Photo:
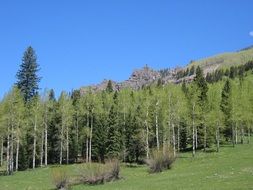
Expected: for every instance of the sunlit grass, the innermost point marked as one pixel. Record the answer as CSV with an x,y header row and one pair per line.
x,y
232,168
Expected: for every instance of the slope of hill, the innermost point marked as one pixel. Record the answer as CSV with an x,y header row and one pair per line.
x,y
224,60
146,76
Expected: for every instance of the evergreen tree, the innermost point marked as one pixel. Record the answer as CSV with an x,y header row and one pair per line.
x,y
113,135
226,108
109,87
28,80
201,84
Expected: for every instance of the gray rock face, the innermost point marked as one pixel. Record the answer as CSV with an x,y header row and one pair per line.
x,y
138,79
145,77
141,78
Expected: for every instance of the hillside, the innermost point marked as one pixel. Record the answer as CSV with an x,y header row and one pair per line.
x,y
146,76
224,60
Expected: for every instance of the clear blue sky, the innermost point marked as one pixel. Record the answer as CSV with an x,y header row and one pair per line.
x,y
82,42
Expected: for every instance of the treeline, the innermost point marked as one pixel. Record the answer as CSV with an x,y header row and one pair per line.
x,y
37,130
218,74
232,72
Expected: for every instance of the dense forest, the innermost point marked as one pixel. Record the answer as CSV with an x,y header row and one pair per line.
x,y
40,129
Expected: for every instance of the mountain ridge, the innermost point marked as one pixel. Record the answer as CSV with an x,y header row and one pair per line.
x,y
146,75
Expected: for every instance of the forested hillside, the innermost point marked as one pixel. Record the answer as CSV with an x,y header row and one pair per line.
x,y
37,130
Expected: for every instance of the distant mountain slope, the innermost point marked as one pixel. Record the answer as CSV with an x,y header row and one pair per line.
x,y
224,60
146,76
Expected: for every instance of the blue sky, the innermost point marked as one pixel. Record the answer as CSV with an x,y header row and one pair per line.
x,y
82,42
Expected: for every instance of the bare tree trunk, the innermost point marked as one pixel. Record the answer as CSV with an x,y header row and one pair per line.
x,y
178,138
205,136
218,137
248,134
124,131
156,127
87,139
193,131
42,148
46,144
91,130
34,142
233,135
67,144
147,136
236,133
196,137
61,148
17,153
242,135
2,151
174,139
8,153
12,150
87,149
77,137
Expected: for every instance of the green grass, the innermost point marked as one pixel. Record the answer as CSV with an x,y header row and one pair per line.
x,y
230,169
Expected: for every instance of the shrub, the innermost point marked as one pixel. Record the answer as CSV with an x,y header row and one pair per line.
x,y
60,178
160,161
100,173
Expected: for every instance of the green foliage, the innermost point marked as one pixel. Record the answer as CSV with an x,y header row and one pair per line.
x,y
27,75
226,107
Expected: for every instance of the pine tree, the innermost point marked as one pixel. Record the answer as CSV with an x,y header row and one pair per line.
x,y
28,80
226,108
113,135
109,87
201,84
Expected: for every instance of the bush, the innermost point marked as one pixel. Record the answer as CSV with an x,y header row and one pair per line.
x,y
160,161
100,173
60,178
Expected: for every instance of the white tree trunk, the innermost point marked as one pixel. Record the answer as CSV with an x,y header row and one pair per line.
x,y
77,137
42,148
67,144
61,148
248,134
46,144
8,154
178,138
196,137
193,131
205,136
236,134
91,130
173,139
87,149
156,128
34,142
242,135
12,150
2,151
87,140
17,153
218,137
147,136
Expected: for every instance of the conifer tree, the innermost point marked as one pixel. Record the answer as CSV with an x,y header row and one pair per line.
x,y
201,84
113,135
226,108
27,78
